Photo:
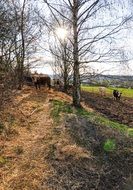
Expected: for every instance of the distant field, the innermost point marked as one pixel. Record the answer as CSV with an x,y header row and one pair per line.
x,y
95,89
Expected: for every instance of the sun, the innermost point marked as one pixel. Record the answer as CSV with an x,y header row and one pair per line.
x,y
61,33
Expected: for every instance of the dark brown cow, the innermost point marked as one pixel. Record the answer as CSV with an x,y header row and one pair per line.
x,y
45,80
38,80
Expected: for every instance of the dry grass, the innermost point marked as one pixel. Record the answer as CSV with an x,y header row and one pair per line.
x,y
24,152
28,140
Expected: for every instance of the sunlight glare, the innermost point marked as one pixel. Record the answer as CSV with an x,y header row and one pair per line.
x,y
61,33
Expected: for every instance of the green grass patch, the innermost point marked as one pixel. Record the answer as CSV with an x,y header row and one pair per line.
x,y
95,89
100,120
130,132
60,107
109,145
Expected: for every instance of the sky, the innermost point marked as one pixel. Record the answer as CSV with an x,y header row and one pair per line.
x,y
126,43
104,68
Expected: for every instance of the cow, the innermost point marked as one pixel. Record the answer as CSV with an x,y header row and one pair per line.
x,y
102,91
36,81
58,85
45,80
28,80
117,94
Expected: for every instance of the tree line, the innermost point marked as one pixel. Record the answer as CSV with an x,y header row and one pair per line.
x,y
18,33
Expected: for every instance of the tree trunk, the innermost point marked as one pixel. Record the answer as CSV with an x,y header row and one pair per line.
x,y
76,76
21,65
65,80
76,86
20,76
65,77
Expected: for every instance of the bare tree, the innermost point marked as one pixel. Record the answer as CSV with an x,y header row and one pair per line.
x,y
62,61
95,26
58,46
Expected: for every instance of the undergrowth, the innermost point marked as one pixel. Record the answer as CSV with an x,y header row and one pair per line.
x,y
110,151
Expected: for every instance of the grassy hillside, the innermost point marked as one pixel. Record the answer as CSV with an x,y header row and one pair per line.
x,y
95,152
94,117
95,89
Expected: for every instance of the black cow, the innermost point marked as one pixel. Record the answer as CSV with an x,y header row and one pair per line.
x,y
117,94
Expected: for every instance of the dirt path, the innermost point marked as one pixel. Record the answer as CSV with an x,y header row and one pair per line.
x,y
25,152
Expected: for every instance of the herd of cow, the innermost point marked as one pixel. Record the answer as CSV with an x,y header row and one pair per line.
x,y
45,80
40,80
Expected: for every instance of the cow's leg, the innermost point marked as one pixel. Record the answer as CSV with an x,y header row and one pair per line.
x,y
39,86
35,85
49,85
117,98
